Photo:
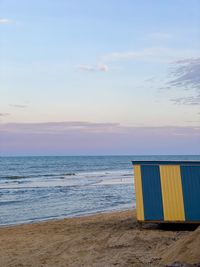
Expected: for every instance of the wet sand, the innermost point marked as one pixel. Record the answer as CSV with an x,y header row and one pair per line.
x,y
109,239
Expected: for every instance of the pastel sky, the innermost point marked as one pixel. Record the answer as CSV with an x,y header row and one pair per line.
x,y
99,77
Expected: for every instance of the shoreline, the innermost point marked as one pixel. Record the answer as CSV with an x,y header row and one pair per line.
x,y
65,217
106,239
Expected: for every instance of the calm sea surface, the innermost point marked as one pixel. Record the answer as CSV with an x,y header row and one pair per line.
x,y
43,188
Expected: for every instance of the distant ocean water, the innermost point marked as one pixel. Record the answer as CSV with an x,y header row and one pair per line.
x,y
44,188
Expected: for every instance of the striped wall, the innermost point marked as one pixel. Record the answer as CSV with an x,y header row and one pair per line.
x,y
167,191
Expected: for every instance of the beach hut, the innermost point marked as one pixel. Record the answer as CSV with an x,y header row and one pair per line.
x,y
167,191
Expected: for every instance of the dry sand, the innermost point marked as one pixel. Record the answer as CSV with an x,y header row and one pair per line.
x,y
113,239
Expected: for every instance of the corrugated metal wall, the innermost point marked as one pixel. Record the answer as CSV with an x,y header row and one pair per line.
x,y
172,195
167,191
191,191
153,209
138,193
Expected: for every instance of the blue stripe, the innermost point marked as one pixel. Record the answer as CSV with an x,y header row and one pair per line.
x,y
165,162
152,196
191,192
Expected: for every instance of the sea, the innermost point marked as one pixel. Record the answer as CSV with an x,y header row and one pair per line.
x,y
44,188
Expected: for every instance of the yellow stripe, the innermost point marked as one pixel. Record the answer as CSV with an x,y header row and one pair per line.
x,y
138,192
172,194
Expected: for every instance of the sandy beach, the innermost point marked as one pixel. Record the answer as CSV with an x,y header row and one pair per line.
x,y
109,239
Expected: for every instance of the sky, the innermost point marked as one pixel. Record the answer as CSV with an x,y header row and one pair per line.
x,y
99,77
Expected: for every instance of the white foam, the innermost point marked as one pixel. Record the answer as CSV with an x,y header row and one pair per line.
x,y
116,181
80,179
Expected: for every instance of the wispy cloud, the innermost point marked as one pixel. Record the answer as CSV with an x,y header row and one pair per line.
x,y
96,138
5,21
59,127
160,54
97,68
132,55
185,74
4,114
187,100
163,55
150,80
19,105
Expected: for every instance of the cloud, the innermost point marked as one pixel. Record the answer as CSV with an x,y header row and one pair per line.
x,y
97,68
58,127
187,100
158,54
150,80
5,21
185,74
151,54
4,114
193,121
75,138
130,55
19,105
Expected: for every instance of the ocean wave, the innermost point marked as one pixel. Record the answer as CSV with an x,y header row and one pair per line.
x,y
57,174
14,177
17,177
